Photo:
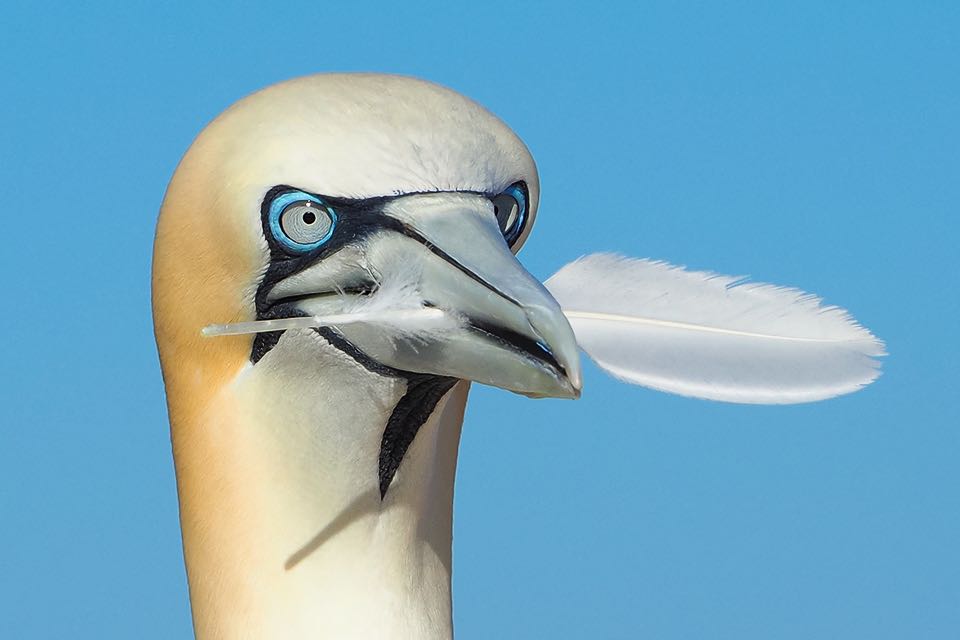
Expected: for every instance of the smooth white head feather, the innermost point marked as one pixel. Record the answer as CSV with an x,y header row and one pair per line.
x,y
710,336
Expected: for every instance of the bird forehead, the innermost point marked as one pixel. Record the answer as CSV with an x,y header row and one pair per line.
x,y
364,135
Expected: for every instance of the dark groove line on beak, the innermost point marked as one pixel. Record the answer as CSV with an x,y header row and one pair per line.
x,y
518,342
405,229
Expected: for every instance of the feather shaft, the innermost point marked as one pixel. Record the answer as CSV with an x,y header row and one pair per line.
x,y
412,320
614,317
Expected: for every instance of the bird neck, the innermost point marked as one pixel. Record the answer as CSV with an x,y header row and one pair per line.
x,y
285,532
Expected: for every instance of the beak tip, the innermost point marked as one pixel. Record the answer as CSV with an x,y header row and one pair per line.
x,y
575,389
565,387
572,377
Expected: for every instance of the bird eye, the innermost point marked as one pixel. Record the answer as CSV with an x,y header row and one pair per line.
x,y
300,221
510,208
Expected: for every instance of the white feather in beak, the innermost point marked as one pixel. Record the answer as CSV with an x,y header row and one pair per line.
x,y
711,336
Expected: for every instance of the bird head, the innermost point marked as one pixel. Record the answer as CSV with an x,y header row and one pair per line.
x,y
342,193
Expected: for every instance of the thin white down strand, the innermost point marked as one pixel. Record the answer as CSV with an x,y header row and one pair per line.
x,y
397,307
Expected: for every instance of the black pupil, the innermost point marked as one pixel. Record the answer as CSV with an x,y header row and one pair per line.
x,y
309,217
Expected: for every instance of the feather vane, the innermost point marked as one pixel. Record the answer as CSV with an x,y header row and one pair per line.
x,y
711,336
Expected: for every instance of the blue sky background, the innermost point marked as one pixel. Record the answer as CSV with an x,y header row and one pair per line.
x,y
813,146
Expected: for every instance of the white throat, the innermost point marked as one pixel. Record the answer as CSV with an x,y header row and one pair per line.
x,y
285,532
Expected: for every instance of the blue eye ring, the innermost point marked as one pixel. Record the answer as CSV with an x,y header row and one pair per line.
x,y
284,202
512,227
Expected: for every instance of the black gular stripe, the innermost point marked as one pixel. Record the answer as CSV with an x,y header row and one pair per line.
x,y
416,405
357,220
423,393
336,339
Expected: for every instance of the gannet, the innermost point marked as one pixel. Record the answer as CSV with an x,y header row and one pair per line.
x,y
371,223
315,467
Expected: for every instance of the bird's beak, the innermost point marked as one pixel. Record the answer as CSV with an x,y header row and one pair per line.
x,y
446,250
